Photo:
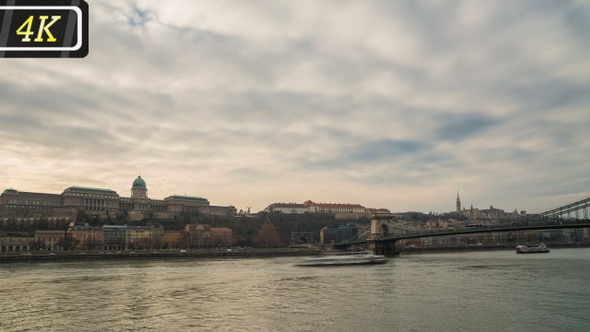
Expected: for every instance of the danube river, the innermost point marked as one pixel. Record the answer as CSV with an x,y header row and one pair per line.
x,y
463,291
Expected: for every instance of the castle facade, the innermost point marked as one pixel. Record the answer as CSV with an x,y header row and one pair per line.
x,y
103,203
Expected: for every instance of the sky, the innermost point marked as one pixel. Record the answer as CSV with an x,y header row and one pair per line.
x,y
387,104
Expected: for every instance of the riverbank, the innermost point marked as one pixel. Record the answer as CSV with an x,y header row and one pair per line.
x,y
407,250
244,252
140,254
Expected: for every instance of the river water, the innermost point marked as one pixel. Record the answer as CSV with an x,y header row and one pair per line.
x,y
464,291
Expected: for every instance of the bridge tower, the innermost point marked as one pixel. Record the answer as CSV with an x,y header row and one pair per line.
x,y
379,230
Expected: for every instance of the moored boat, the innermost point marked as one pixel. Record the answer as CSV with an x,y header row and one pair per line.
x,y
344,258
522,249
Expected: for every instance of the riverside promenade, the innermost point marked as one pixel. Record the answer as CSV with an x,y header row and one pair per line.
x,y
169,253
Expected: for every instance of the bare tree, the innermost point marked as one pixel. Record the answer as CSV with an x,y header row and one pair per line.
x,y
268,237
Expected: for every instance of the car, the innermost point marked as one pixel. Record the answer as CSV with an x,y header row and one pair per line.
x,y
25,254
52,254
182,250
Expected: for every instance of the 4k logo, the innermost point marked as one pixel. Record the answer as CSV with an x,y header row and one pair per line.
x,y
26,28
43,28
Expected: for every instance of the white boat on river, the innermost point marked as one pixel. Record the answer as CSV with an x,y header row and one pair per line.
x,y
522,249
344,258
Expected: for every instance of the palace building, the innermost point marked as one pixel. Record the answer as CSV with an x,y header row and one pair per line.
x,y
339,210
103,203
491,213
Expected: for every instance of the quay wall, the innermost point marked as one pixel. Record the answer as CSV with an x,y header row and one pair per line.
x,y
140,254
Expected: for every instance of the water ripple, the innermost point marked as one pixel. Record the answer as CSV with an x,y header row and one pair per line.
x,y
469,292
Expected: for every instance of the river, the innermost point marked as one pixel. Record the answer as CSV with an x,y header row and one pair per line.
x,y
461,291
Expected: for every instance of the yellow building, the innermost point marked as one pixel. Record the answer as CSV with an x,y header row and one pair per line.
x,y
51,240
144,237
87,237
170,240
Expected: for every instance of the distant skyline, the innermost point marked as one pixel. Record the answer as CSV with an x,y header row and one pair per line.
x,y
388,104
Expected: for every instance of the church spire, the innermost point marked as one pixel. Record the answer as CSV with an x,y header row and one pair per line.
x,y
458,202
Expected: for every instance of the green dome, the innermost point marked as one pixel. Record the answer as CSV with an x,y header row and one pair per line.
x,y
139,182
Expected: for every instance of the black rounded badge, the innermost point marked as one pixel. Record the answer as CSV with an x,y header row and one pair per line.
x,y
43,29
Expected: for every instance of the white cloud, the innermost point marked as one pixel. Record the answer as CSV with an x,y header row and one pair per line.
x,y
389,104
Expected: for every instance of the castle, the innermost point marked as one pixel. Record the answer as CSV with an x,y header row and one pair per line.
x,y
491,213
103,203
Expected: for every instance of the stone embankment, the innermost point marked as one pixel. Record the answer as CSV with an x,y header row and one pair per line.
x,y
139,254
551,245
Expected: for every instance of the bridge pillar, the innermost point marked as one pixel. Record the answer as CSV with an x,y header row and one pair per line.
x,y
379,230
379,226
383,248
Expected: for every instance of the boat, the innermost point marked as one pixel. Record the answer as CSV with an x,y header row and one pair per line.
x,y
522,249
344,258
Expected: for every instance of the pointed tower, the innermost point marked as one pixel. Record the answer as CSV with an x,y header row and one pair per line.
x,y
458,202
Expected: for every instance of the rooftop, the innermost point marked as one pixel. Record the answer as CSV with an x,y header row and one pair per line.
x,y
139,182
190,198
98,190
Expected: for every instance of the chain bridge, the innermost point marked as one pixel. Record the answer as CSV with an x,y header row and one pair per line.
x,y
383,233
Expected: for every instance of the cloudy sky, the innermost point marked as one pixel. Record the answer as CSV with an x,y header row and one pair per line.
x,y
395,104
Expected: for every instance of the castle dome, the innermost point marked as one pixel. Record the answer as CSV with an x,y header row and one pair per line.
x,y
139,182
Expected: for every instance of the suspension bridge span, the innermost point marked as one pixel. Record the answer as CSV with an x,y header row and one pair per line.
x,y
381,237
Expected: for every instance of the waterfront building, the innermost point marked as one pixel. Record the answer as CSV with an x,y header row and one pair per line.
x,y
338,233
33,223
103,203
87,237
118,237
15,244
144,237
52,240
302,238
221,236
114,237
207,236
171,239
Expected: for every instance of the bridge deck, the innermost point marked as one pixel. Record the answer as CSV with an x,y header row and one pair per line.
x,y
479,230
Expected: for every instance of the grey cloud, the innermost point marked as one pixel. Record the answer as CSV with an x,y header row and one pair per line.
x,y
384,150
313,100
459,127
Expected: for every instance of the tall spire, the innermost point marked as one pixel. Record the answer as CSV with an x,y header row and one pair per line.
x,y
458,202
